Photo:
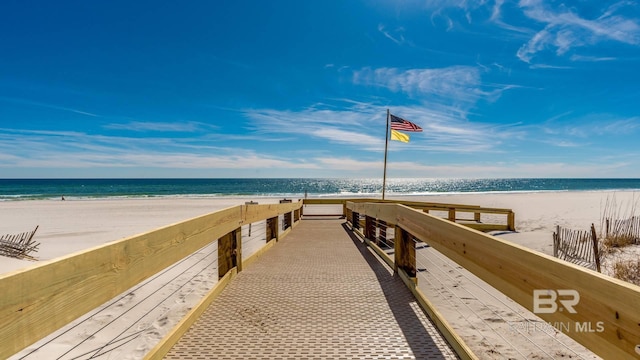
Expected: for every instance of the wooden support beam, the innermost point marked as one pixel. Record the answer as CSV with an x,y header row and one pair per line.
x,y
229,252
405,252
355,220
511,221
286,221
369,227
272,229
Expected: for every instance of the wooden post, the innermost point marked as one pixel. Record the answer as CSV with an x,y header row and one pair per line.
x,y
369,227
476,217
286,222
229,252
355,220
511,221
272,229
556,241
452,214
596,254
405,253
296,215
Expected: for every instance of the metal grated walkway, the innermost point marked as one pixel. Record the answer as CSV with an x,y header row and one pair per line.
x,y
318,294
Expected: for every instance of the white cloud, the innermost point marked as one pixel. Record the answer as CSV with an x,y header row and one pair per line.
x,y
557,27
30,102
363,127
398,38
496,12
461,85
446,82
349,126
592,58
348,164
187,126
565,29
70,150
599,124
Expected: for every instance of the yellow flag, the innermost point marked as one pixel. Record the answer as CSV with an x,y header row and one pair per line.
x,y
397,135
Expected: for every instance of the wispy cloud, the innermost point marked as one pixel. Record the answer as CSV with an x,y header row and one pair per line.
x,y
548,66
564,143
592,58
77,150
363,126
338,126
457,84
446,82
585,126
397,36
29,102
557,28
142,126
565,29
439,8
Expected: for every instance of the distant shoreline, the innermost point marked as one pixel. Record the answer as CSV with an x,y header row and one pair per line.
x,y
87,189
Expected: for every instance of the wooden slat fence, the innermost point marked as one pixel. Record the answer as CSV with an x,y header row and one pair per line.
x,y
624,228
577,246
19,246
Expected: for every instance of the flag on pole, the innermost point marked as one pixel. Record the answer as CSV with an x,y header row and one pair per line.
x,y
397,135
404,125
394,124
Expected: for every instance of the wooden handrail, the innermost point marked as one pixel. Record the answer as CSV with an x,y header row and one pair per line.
x,y
54,293
600,312
451,209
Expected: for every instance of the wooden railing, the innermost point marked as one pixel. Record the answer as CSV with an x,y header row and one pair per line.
x,y
452,212
597,311
37,301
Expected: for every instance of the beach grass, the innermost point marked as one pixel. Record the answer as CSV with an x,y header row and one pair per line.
x,y
627,270
619,239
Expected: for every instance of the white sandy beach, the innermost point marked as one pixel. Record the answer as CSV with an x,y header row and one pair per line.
x,y
69,226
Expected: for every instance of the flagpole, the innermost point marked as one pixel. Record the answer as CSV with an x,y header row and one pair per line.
x,y
386,146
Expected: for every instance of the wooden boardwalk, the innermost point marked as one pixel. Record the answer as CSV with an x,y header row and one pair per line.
x,y
320,293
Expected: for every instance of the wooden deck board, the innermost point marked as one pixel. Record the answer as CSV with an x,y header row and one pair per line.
x,y
319,293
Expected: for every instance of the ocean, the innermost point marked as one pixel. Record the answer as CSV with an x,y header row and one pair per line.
x,y
29,189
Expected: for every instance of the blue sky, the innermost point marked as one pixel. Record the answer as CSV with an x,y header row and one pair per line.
x,y
532,88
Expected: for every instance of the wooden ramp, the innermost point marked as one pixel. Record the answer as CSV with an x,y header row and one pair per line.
x,y
318,294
